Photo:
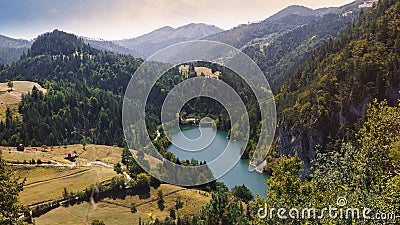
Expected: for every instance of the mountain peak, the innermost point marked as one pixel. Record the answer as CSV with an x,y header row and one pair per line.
x,y
154,41
57,42
297,10
165,28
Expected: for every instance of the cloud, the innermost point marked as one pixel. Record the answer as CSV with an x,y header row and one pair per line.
x,y
116,19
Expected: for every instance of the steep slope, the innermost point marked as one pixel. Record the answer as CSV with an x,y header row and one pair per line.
x,y
11,49
279,43
251,33
279,57
326,97
150,43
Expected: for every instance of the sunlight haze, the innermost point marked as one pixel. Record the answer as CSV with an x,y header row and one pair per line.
x,y
119,19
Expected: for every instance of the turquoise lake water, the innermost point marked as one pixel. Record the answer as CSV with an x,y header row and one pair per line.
x,y
238,175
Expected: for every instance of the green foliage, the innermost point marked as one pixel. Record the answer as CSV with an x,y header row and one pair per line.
x,y
143,182
85,88
58,43
160,201
365,176
118,168
172,213
10,187
10,84
327,95
284,184
245,34
118,182
377,136
222,209
178,203
243,193
280,57
133,208
97,222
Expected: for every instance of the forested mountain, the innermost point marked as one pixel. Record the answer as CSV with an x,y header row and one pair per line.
x,y
324,101
84,98
85,87
266,30
150,43
11,49
279,43
279,58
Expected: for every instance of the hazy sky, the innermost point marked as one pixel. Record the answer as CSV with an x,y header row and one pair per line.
x,y
118,19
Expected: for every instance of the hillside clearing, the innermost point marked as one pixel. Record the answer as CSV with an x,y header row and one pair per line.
x,y
10,99
53,189
113,211
107,154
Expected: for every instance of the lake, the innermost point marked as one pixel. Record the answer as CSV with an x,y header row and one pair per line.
x,y
238,175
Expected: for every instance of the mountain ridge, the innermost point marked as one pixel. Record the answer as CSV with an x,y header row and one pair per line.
x,y
11,49
300,10
324,101
147,44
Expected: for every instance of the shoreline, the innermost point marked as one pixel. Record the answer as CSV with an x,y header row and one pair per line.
x,y
259,168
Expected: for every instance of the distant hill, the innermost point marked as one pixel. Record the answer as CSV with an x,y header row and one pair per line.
x,y
279,43
243,36
11,49
264,31
299,10
152,42
281,55
108,46
286,20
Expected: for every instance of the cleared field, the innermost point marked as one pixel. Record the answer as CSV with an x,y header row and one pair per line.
x,y
107,154
52,189
11,99
111,212
47,182
22,86
19,157
39,174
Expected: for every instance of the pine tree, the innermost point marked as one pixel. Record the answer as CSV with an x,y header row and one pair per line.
x,y
10,209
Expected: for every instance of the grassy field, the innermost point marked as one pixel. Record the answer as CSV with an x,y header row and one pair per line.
x,y
111,212
107,154
52,189
48,182
11,99
39,174
73,215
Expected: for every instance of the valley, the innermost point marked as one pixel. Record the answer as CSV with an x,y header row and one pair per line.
x,y
65,157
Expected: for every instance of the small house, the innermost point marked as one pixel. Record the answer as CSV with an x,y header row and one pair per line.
x,y
70,156
20,148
